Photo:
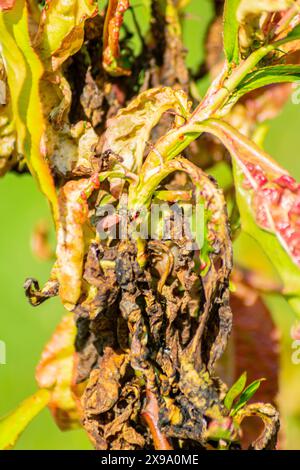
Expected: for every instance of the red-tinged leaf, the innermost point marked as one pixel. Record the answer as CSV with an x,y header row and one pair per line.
x,y
111,49
256,347
7,4
269,203
55,373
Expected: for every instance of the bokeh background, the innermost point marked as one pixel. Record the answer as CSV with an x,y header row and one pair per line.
x,y
26,329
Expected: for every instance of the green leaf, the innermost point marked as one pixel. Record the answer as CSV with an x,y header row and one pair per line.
x,y
294,35
235,390
268,76
268,201
231,30
14,424
246,396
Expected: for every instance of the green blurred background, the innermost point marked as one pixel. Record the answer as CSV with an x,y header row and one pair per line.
x,y
25,329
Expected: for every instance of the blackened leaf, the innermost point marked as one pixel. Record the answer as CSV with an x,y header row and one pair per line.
x,y
37,296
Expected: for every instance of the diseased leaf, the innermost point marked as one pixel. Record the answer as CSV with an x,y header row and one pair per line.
x,y
6,4
166,27
231,29
235,391
111,50
70,237
128,132
7,129
35,295
61,28
251,14
55,371
73,149
15,423
24,71
268,199
246,396
270,417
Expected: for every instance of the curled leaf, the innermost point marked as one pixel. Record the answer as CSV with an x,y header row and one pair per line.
x,y
61,29
167,44
55,371
253,19
268,199
15,423
111,410
129,131
70,237
111,50
37,296
270,417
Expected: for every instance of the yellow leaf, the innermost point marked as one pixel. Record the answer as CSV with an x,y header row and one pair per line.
x,y
14,424
24,72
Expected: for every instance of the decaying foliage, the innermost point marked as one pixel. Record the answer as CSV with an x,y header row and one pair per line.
x,y
97,124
